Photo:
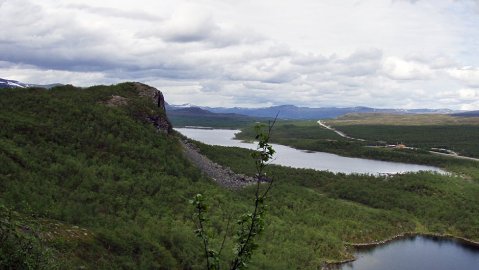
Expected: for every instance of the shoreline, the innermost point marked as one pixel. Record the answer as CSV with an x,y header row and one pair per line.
x,y
462,240
331,265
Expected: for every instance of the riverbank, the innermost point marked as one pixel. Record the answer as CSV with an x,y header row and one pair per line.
x,y
412,234
411,187
316,160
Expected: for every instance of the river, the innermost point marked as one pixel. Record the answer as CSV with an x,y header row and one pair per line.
x,y
291,157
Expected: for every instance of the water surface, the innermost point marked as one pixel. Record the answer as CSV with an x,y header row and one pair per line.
x,y
288,156
417,253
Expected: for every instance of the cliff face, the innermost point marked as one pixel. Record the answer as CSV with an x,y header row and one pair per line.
x,y
157,117
160,121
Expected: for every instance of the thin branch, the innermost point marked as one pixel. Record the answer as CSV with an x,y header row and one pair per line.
x,y
260,165
205,240
267,189
224,238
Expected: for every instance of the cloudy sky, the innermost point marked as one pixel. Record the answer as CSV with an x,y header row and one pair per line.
x,y
253,53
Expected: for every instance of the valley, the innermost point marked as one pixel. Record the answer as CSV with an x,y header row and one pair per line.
x,y
239,135
118,184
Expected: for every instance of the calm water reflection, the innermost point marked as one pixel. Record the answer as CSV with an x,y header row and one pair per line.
x,y
417,253
288,156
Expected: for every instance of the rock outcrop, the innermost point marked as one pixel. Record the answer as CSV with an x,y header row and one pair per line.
x,y
160,121
116,101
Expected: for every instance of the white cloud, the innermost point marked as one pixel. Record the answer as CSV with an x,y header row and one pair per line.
x,y
400,69
252,53
467,75
49,76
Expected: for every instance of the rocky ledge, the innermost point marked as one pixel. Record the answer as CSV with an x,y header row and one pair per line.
x,y
159,120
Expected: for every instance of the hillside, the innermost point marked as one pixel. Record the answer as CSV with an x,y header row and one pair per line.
x,y
96,179
92,158
196,116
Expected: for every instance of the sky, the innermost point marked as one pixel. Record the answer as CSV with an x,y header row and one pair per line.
x,y
378,53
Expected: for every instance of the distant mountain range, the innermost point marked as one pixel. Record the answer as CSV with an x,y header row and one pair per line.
x,y
4,83
467,114
12,84
294,112
285,111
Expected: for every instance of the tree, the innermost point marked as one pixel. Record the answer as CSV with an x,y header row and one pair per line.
x,y
251,224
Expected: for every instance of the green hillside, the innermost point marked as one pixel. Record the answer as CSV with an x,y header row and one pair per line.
x,y
67,157
88,183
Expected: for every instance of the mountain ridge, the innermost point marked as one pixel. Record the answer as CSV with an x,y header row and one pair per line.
x,y
5,83
289,111
286,111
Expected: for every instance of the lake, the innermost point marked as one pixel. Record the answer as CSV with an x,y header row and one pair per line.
x,y
287,156
417,253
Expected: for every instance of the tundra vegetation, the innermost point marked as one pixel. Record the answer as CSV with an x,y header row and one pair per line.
x,y
447,132
83,184
251,224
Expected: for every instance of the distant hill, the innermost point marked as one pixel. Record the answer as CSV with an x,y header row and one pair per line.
x,y
295,112
4,83
12,84
190,111
467,114
182,116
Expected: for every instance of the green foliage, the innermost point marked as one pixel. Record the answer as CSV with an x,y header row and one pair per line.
x,y
20,246
250,225
294,130
460,138
422,202
214,121
308,135
67,158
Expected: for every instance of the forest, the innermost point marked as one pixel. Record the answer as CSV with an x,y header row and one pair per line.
x,y
85,185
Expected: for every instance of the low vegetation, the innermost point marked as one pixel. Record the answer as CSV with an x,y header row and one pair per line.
x,y
458,138
349,207
198,117
401,119
92,186
308,135
455,133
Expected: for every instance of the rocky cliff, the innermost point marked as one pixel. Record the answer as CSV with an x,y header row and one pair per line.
x,y
160,121
157,117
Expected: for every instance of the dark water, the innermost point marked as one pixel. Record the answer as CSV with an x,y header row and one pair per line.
x,y
417,253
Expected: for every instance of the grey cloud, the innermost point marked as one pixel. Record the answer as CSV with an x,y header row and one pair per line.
x,y
205,58
52,41
202,30
360,63
199,31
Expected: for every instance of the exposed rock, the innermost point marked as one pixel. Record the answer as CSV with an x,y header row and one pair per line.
x,y
160,121
221,175
116,101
